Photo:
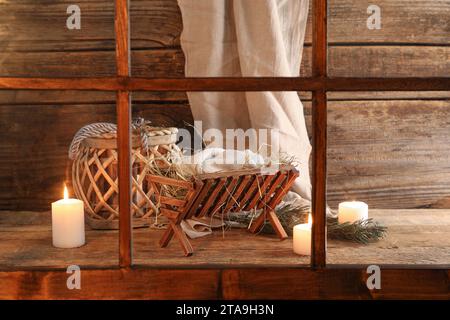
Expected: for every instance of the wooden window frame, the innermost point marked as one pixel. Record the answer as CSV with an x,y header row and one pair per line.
x,y
316,281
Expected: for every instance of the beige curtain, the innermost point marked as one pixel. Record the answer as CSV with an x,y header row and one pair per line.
x,y
254,38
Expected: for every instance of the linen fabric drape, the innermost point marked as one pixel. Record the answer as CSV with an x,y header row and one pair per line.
x,y
249,38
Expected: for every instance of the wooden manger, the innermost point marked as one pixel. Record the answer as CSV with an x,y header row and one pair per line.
x,y
217,194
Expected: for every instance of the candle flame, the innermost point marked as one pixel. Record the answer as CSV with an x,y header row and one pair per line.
x,y
66,192
310,220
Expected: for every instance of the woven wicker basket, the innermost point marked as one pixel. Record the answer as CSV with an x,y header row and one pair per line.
x,y
95,177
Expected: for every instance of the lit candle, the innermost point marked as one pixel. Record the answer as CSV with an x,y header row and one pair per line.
x,y
302,238
352,211
68,222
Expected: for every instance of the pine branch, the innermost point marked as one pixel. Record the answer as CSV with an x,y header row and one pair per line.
x,y
364,231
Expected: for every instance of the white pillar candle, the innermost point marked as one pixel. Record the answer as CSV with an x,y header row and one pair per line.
x,y
68,222
302,238
352,211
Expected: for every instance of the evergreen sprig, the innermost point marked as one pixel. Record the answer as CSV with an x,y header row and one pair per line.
x,y
363,231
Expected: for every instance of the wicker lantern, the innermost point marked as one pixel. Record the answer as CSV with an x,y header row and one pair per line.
x,y
95,175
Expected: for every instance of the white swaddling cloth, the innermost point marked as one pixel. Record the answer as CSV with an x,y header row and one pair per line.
x,y
211,160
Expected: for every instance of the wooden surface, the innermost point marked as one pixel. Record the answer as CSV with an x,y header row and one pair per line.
x,y
420,237
413,41
157,23
255,283
112,284
393,154
345,61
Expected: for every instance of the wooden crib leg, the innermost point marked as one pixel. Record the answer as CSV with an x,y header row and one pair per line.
x,y
276,225
271,216
258,223
175,230
184,241
167,236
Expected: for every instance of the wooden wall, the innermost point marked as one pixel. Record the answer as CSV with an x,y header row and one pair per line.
x,y
389,149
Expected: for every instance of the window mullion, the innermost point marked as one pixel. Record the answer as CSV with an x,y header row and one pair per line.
x,y
319,118
122,30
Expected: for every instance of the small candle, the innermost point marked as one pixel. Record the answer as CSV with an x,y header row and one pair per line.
x,y
68,222
302,238
352,211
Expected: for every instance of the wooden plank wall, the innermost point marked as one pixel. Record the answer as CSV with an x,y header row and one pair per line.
x,y
389,149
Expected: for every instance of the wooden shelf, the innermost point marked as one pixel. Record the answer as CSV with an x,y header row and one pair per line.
x,y
415,237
